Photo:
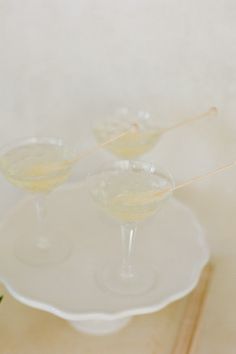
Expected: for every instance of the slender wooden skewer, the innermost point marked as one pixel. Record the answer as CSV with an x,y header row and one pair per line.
x,y
205,175
209,174
135,128
211,112
187,333
147,197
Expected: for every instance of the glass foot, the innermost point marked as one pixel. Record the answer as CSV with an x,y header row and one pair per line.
x,y
42,251
142,280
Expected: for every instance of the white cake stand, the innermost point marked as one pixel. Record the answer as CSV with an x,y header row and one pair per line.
x,y
173,241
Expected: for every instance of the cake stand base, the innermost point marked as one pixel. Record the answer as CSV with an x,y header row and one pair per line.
x,y
100,327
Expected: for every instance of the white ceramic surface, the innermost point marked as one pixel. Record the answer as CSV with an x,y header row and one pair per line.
x,y
172,241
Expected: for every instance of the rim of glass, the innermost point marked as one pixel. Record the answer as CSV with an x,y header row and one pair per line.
x,y
112,115
30,140
150,167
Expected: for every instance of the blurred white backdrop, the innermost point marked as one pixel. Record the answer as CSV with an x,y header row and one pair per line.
x,y
60,60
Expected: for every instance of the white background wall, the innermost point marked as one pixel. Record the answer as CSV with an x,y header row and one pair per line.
x,y
59,58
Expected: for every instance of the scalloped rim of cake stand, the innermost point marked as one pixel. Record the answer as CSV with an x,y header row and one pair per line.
x,y
100,315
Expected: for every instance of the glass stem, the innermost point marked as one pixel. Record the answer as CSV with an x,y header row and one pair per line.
x,y
128,233
42,241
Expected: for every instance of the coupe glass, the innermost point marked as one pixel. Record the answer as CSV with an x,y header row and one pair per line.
x,y
38,165
130,146
130,191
